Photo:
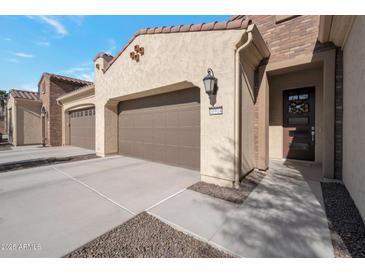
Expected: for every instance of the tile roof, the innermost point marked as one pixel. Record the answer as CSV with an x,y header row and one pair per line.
x,y
65,78
24,94
235,22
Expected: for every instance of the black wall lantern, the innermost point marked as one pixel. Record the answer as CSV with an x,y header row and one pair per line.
x,y
210,83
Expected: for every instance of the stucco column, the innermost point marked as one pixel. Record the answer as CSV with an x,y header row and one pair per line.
x,y
66,128
262,120
329,114
105,113
111,128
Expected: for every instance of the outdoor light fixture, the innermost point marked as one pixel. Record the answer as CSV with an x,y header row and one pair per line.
x,y
210,83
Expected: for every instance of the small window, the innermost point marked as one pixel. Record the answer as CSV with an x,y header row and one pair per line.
x,y
90,112
81,113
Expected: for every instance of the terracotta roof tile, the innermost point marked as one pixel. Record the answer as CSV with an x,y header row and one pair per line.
x,y
236,17
66,78
175,29
24,94
220,25
166,29
158,30
235,22
196,27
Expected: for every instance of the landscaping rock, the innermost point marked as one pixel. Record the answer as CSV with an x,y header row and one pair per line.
x,y
146,236
230,194
345,222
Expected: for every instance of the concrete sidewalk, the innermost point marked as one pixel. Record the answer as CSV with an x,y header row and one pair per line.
x,y
31,153
282,217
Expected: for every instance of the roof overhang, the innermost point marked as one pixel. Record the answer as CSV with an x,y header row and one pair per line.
x,y
335,28
256,50
77,94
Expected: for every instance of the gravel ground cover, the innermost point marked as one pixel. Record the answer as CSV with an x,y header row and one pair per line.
x,y
146,236
43,162
234,195
345,223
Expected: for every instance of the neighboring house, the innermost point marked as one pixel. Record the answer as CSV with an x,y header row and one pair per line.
x,y
3,98
348,34
52,86
78,117
24,117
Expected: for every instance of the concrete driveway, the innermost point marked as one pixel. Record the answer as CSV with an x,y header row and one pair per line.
x,y
35,152
52,210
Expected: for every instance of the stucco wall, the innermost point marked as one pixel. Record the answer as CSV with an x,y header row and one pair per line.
x,y
25,121
172,59
28,123
247,119
292,80
354,113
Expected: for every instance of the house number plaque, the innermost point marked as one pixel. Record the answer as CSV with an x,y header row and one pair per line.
x,y
216,110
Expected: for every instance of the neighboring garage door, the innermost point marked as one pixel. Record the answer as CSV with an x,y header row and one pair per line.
x,y
82,128
163,128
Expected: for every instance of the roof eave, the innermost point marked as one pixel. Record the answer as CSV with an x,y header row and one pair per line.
x,y
87,90
241,23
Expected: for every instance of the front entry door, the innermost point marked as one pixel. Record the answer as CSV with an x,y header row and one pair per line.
x,y
299,124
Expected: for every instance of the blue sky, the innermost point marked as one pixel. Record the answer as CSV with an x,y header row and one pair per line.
x,y
31,45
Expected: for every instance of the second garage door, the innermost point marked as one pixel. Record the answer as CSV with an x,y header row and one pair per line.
x,y
82,128
163,128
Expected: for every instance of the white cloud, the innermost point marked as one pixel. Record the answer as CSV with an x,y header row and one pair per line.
x,y
112,45
86,76
7,39
77,19
12,60
82,71
29,87
44,44
23,55
52,22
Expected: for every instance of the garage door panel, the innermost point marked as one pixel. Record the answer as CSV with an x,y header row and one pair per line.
x,y
163,128
82,128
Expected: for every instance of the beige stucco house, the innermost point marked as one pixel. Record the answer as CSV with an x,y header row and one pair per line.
x,y
150,100
23,117
286,87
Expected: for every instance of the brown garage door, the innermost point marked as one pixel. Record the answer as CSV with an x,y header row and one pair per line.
x,y
163,128
82,128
